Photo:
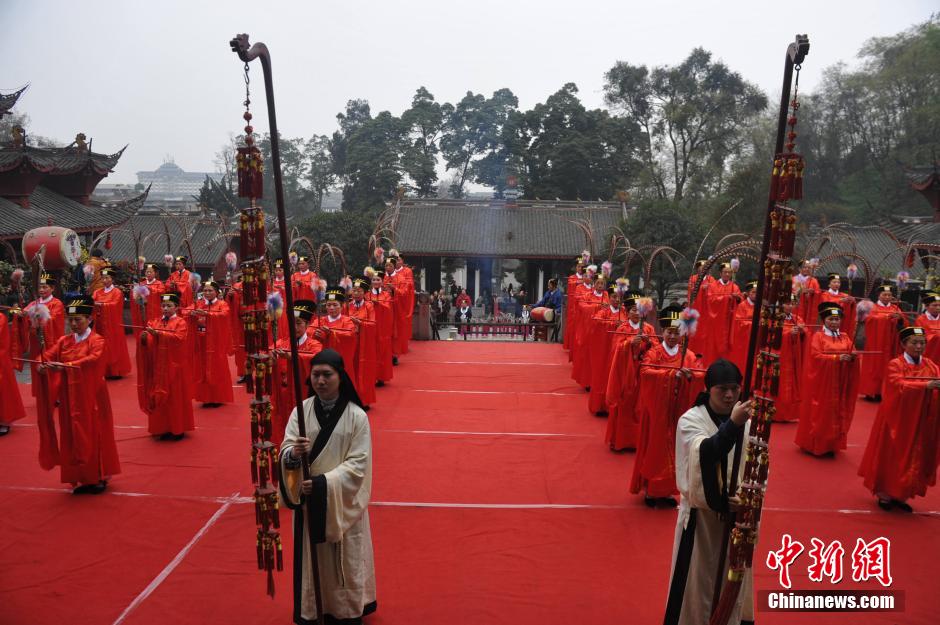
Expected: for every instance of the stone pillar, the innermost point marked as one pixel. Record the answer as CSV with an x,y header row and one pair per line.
x,y
541,290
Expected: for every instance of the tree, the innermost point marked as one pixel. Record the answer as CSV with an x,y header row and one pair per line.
x,y
218,196
424,122
691,115
321,176
373,169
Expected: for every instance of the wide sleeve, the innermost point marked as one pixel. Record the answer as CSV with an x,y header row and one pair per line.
x,y
700,448
349,485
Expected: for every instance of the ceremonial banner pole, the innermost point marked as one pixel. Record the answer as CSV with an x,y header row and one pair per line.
x,y
252,158
773,288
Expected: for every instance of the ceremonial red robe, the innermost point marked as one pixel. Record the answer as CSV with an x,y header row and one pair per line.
x,y
282,396
715,322
574,282
791,369
109,324
304,285
151,305
932,326
827,411
384,324
904,445
660,407
408,279
178,282
163,381
623,386
343,337
85,448
741,333
366,364
697,342
848,311
11,407
881,335
402,311
234,300
282,330
580,292
52,331
588,304
213,383
807,292
601,340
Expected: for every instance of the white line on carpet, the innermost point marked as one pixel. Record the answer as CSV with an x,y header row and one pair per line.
x,y
490,362
576,393
146,592
456,433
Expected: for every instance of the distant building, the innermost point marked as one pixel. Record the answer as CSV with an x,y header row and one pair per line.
x,y
171,182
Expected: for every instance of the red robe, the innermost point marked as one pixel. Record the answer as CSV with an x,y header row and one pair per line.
x,y
881,334
588,304
343,337
741,333
848,310
234,300
11,408
623,386
109,323
384,324
791,368
574,281
163,381
904,445
85,449
213,383
659,407
807,293
178,282
403,283
151,306
282,395
697,342
366,364
827,411
304,285
932,326
283,331
52,331
601,340
716,321
574,321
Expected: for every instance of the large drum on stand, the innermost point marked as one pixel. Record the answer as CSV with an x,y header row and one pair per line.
x,y
61,247
543,314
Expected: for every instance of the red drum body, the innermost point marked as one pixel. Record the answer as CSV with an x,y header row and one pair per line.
x,y
543,314
62,247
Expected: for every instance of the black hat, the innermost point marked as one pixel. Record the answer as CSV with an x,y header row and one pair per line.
x,y
108,271
212,283
335,294
830,309
908,332
47,279
378,273
181,259
929,298
884,288
833,276
722,372
630,298
305,309
83,305
303,259
670,317
278,262
170,297
362,283
750,285
151,266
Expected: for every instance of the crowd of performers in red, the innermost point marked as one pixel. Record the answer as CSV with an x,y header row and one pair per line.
x,y
185,331
643,378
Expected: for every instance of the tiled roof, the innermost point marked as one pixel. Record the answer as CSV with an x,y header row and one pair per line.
x,y
48,207
8,100
207,244
533,229
57,161
922,177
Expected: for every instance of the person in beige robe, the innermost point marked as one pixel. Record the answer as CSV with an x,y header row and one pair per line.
x,y
705,439
334,511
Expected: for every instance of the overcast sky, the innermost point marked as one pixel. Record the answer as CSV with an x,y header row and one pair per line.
x,y
159,74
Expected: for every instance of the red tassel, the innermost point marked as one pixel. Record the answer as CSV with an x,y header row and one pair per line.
x,y
254,465
250,174
280,554
107,242
260,551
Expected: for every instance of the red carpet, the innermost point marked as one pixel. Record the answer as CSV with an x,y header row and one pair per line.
x,y
495,501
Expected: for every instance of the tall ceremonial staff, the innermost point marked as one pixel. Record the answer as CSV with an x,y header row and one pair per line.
x,y
773,288
251,168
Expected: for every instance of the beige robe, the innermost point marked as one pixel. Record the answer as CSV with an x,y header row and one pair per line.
x,y
694,427
347,572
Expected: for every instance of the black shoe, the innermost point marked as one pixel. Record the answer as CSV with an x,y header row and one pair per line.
x,y
668,502
649,501
166,436
113,377
176,437
4,430
394,361
886,504
97,489
212,404
600,413
587,388
242,379
379,383
903,506
85,489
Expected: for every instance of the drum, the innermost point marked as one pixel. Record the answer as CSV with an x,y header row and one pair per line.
x,y
543,314
62,247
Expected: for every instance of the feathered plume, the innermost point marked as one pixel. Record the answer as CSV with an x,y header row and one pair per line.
x,y
606,268
623,286
141,262
38,315
379,255
141,293
195,281
688,322
368,272
813,264
275,304
292,258
585,257
863,309
231,261
346,283
591,270
644,305
902,279
393,252
89,270
16,277
735,264
168,260
321,289
851,272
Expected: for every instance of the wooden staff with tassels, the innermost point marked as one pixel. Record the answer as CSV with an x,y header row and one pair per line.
x,y
774,284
